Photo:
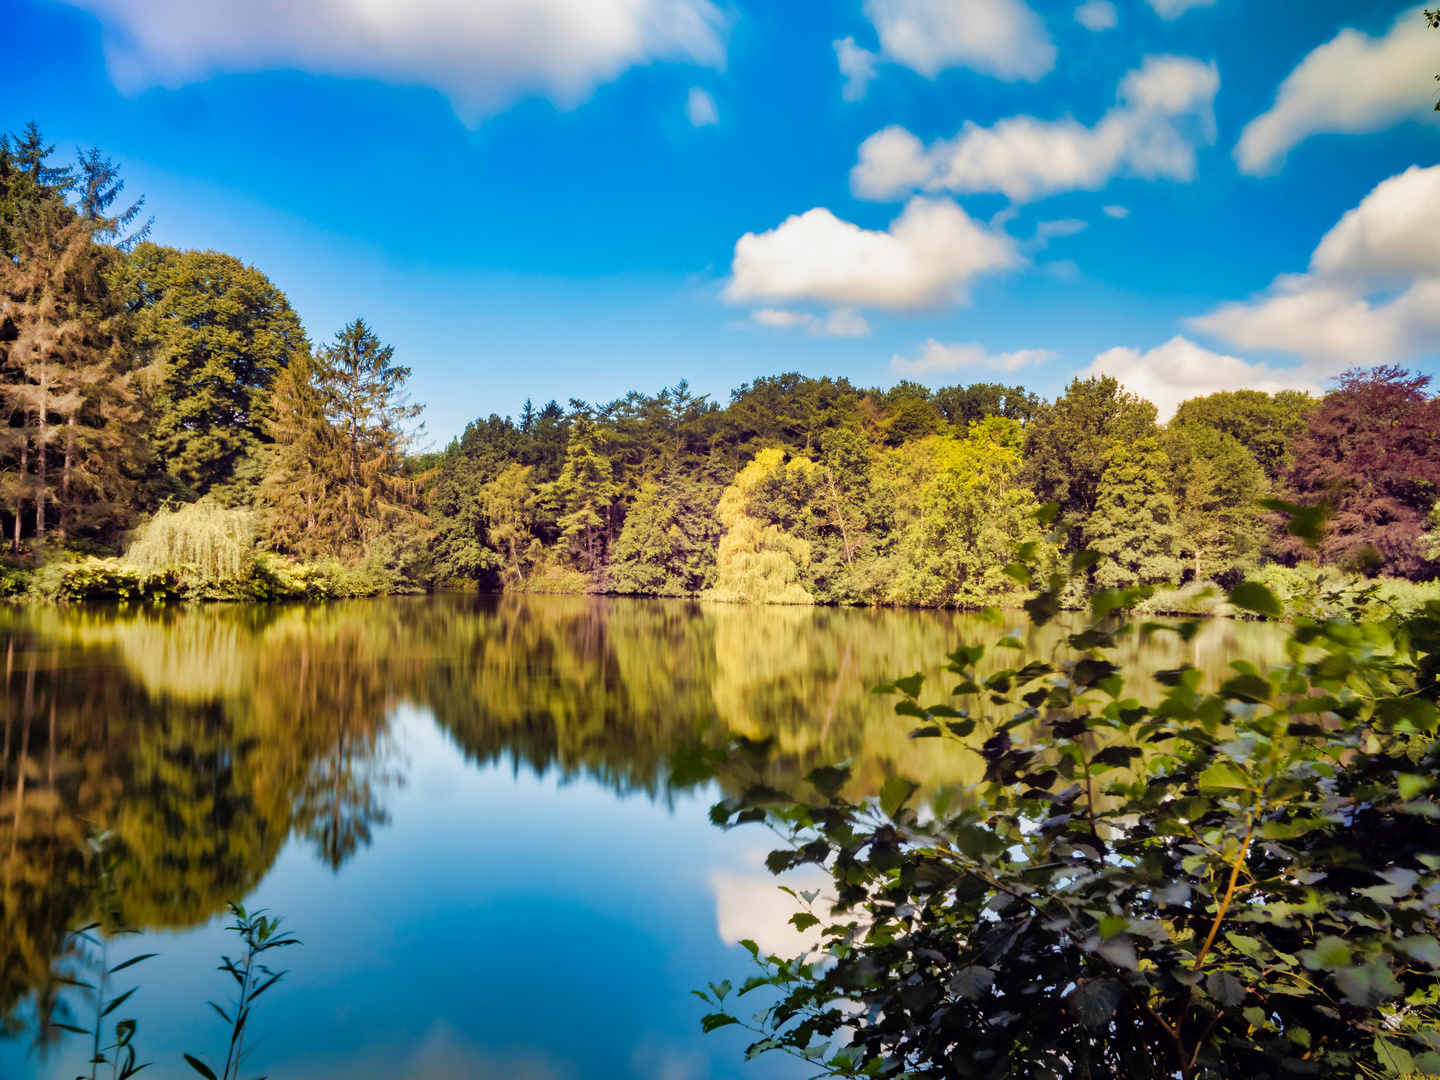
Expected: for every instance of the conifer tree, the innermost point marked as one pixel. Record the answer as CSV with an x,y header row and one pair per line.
x,y
74,423
1134,526
1217,482
667,545
583,495
303,474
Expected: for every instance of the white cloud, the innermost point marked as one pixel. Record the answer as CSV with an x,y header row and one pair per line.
x,y
842,322
1003,38
940,356
481,56
1096,15
927,257
1173,9
1372,292
1045,231
857,65
1181,369
700,108
1116,211
1164,112
750,906
1351,85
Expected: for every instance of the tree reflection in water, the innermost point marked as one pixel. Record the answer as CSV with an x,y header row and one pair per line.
x,y
205,737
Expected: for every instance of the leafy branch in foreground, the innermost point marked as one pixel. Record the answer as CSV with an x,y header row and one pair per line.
x,y
1237,881
94,952
259,933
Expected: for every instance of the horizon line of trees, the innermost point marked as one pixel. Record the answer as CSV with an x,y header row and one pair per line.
x,y
136,376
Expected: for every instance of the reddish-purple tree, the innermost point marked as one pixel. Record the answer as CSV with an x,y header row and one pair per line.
x,y
1371,449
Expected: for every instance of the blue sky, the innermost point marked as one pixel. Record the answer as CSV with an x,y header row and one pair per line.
x,y
575,198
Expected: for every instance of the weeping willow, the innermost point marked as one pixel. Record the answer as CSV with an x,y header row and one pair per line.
x,y
203,542
758,563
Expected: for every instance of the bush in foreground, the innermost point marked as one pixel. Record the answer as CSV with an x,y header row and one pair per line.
x,y
1237,882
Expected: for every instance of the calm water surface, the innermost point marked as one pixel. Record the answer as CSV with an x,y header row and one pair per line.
x,y
457,802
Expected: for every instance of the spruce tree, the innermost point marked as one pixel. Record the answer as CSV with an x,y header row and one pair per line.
x,y
367,404
303,474
74,425
1134,526
582,496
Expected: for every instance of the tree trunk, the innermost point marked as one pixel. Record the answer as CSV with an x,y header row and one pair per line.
x,y
40,471
65,477
20,496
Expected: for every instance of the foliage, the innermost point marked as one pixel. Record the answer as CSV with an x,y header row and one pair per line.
x,y
1265,424
1069,444
1216,482
202,543
1134,528
259,933
760,562
582,496
1231,882
667,546
1369,451
217,333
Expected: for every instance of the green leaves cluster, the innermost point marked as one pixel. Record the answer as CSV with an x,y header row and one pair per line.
x,y
1238,880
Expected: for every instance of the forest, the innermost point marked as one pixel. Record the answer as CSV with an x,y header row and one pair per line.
x,y
172,430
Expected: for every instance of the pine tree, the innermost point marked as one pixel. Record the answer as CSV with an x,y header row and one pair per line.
x,y
303,473
1134,526
77,437
584,493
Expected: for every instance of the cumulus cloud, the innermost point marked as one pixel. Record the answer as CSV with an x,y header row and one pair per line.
x,y
700,108
1181,369
1164,111
858,66
1173,9
842,322
1116,211
1096,15
936,356
1003,38
481,56
1351,85
1372,292
927,257
750,906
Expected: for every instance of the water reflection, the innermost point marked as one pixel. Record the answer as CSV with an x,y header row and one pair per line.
x,y
205,738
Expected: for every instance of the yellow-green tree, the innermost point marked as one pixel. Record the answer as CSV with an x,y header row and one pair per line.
x,y
759,563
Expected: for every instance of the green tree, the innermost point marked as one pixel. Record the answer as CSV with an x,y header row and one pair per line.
x,y
758,562
1217,484
668,543
1134,527
1265,424
583,495
1068,446
367,405
219,333
964,405
974,512
304,471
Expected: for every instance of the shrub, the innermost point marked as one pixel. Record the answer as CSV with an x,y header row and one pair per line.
x,y
203,543
1240,883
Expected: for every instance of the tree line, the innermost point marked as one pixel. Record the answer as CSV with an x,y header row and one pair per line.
x,y
138,377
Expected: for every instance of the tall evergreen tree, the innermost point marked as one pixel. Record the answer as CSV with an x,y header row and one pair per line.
x,y
1134,526
74,424
583,495
298,490
219,332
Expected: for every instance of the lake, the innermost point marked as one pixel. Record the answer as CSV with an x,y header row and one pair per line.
x,y
457,802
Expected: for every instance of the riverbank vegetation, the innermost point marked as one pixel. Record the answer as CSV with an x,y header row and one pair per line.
x,y
172,431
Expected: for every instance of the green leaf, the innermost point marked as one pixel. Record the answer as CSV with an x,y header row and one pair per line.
x,y
803,920
1394,1058
1225,988
828,779
911,684
132,960
708,1023
1252,596
209,1074
1225,776
895,793
972,983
